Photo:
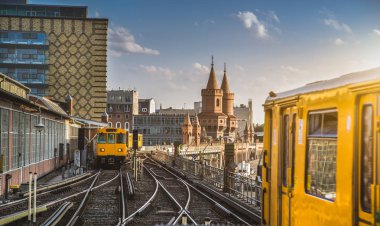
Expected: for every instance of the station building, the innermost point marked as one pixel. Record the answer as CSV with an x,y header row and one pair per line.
x,y
56,51
25,147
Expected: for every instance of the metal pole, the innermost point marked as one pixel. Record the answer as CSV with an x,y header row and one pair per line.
x,y
30,197
35,200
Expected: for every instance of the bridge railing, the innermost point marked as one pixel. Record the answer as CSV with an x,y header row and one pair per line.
x,y
244,188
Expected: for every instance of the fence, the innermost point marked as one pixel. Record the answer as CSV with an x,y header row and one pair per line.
x,y
244,188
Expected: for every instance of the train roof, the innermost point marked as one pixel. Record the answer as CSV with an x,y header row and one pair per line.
x,y
352,78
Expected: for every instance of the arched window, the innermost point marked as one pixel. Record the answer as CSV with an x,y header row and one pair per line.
x,y
217,102
126,126
110,124
118,124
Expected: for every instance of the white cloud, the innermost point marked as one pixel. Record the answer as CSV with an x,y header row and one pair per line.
x,y
200,67
251,22
97,14
291,69
377,32
151,69
333,23
272,15
121,41
339,41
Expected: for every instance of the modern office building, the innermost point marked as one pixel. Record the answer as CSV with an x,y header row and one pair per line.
x,y
56,51
121,106
160,129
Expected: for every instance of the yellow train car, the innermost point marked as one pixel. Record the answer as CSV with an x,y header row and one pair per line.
x,y
111,146
322,153
130,141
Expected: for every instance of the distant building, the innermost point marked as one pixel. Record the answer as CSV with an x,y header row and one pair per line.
x,y
243,114
198,106
121,106
56,51
147,106
160,129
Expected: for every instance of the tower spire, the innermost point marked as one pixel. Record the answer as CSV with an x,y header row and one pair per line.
x,y
212,83
225,86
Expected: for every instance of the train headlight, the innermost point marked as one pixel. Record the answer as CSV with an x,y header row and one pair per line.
x,y
102,150
119,150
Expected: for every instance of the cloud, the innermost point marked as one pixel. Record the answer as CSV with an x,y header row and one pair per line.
x,y
338,42
333,23
201,68
291,69
272,15
151,69
251,22
97,14
121,41
376,32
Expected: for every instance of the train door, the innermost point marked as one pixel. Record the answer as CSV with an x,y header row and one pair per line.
x,y
368,189
286,164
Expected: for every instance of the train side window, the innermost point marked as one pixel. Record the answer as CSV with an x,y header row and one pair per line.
x,y
321,154
120,138
285,145
366,171
111,138
102,138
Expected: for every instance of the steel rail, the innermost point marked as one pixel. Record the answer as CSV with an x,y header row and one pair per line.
x,y
210,199
45,192
122,207
147,203
74,218
58,214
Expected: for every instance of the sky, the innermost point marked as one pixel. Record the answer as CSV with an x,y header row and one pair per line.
x,y
163,48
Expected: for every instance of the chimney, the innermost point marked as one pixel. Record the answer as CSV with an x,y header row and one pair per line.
x,y
69,105
105,116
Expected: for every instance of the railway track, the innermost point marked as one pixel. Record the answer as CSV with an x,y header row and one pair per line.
x,y
102,206
174,199
50,198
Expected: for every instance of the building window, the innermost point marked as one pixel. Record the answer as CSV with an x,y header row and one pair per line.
x,y
217,102
126,126
118,116
110,124
126,108
126,116
110,115
119,98
321,154
118,125
366,168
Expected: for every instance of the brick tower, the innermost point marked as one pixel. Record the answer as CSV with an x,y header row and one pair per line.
x,y
228,106
187,131
212,116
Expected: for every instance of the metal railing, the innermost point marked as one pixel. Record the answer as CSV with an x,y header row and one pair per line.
x,y
247,189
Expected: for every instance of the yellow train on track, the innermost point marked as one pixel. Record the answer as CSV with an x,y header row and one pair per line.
x,y
322,153
113,146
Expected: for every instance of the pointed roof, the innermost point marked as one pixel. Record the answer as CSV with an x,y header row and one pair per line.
x,y
187,120
212,83
196,121
225,86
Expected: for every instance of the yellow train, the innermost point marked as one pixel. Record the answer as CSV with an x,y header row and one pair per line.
x,y
322,153
113,145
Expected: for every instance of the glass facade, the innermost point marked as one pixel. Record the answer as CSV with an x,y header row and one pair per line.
x,y
43,11
23,145
23,57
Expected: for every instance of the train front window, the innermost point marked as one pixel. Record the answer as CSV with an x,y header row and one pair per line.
x,y
121,138
321,154
111,138
102,138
